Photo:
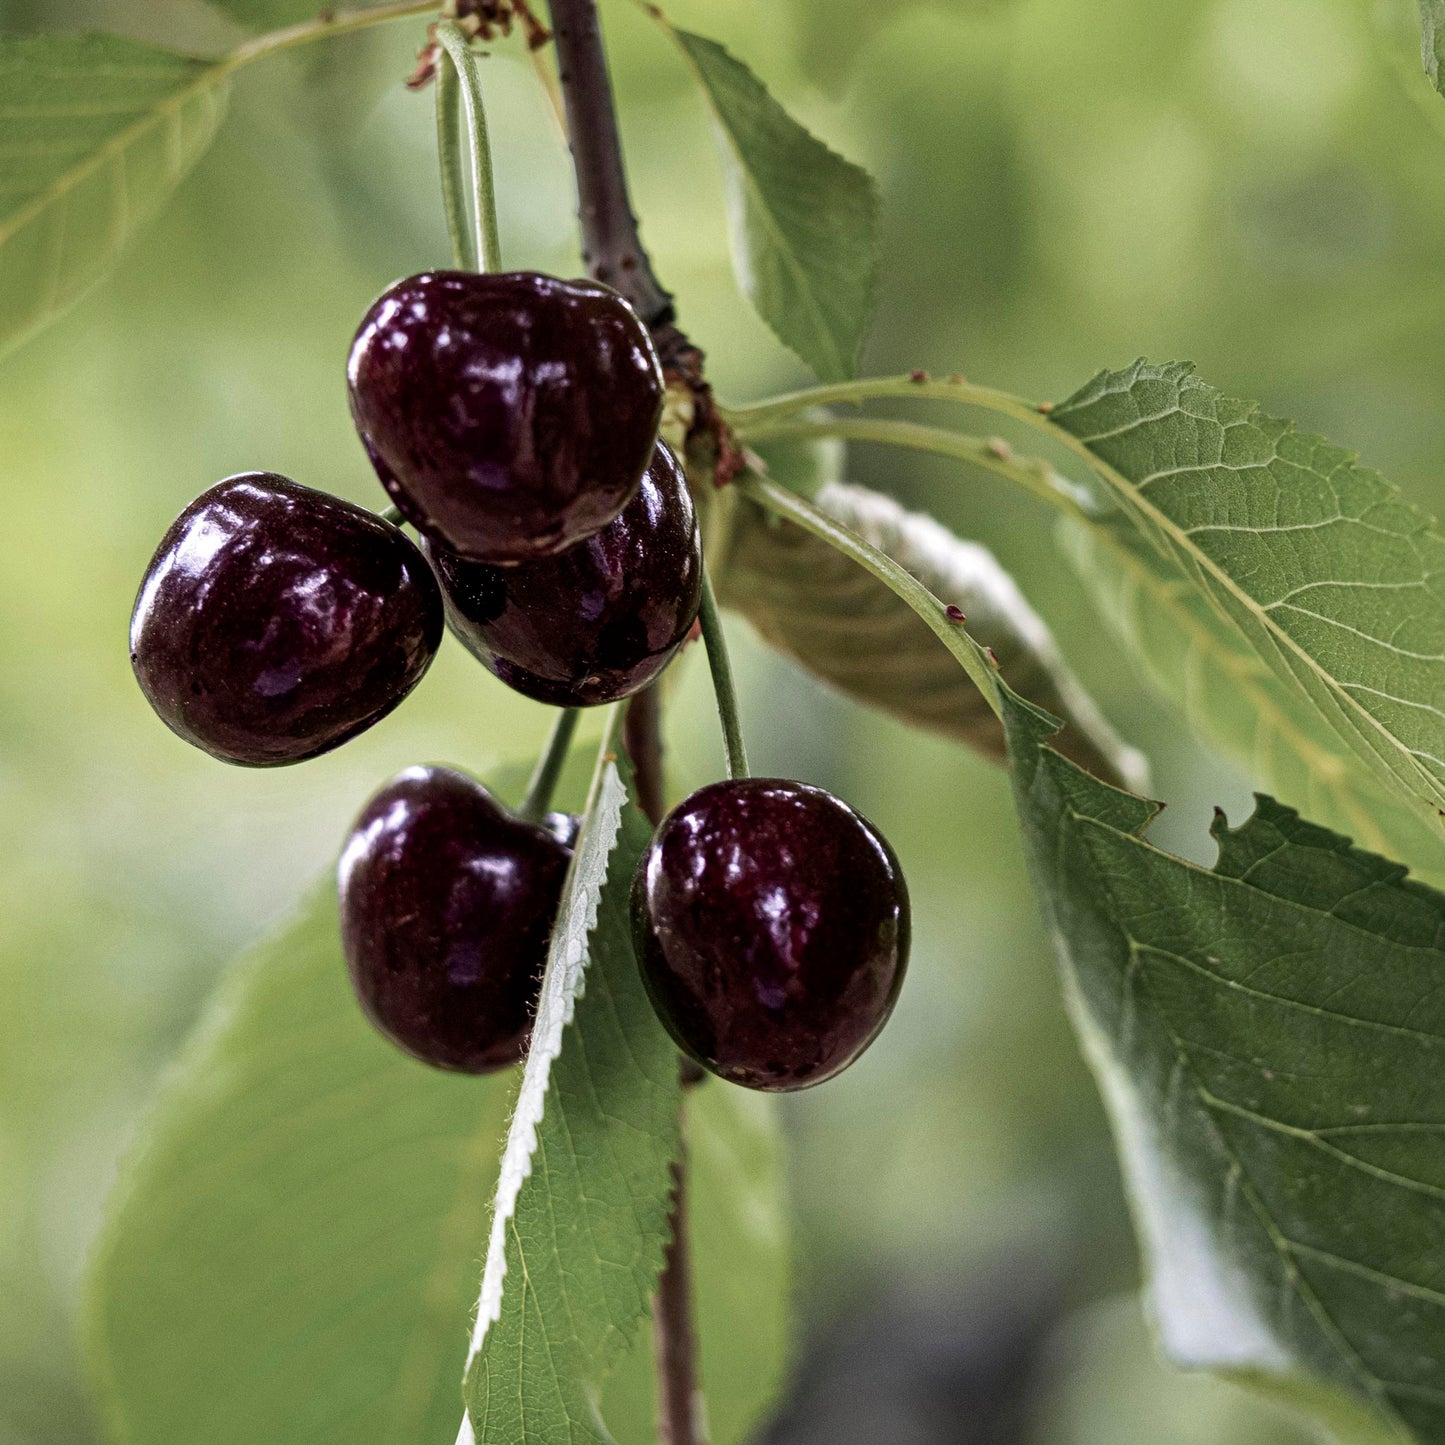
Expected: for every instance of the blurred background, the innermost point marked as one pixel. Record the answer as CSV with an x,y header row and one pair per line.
x,y
1256,185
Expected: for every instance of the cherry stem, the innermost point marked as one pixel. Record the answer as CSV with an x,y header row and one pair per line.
x,y
484,194
721,668
392,515
549,766
449,153
901,582
611,245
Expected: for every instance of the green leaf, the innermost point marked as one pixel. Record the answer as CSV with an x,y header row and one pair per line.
x,y
98,132
737,1216
803,221
1335,581
1229,696
290,1254
1432,38
815,605
1269,1037
580,1219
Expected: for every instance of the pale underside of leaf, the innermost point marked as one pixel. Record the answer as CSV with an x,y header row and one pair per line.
x,y
803,221
819,608
1224,690
1337,583
1269,1037
580,1220
95,133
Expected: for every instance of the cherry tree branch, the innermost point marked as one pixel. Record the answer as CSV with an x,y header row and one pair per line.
x,y
611,245
614,254
642,737
680,1418
680,1405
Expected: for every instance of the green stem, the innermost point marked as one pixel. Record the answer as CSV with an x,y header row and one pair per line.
x,y
1033,474
338,22
464,58
549,766
875,388
392,515
722,681
948,629
449,155
753,419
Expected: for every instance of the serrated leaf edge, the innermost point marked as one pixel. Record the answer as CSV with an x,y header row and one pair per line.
x,y
1248,672
842,366
563,983
1113,1082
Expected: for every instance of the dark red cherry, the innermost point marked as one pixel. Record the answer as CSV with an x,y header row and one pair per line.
x,y
564,827
447,906
772,930
509,416
597,622
275,622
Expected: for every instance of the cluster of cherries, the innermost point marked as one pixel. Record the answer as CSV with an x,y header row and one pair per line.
x,y
514,421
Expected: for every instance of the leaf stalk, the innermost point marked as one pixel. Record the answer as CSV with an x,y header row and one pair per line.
x,y
1036,476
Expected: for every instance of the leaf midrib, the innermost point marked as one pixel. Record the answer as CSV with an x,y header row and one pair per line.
x,y
781,245
1252,677
1134,497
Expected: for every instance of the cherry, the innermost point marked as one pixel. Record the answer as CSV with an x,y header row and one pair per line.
x,y
275,622
447,905
564,827
772,930
509,416
597,622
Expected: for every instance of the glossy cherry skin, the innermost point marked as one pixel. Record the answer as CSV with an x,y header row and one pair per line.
x,y
276,622
597,622
509,416
447,906
772,931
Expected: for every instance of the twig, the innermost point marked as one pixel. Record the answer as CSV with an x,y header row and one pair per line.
x,y
680,1413
681,1410
614,254
611,245
642,737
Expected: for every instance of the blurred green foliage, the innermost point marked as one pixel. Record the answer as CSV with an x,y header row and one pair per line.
x,y
1255,185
